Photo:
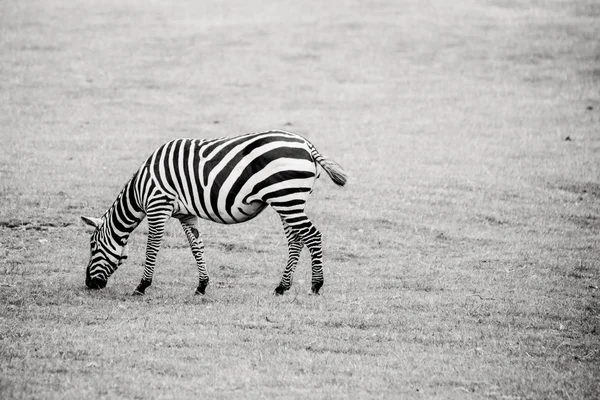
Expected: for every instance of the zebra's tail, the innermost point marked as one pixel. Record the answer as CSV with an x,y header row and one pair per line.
x,y
333,169
335,172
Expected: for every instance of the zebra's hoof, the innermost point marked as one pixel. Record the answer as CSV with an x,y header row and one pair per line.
x,y
279,290
137,293
202,287
316,287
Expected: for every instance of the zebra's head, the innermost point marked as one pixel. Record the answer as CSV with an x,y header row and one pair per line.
x,y
105,257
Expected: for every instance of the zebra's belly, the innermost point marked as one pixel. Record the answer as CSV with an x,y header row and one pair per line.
x,y
236,214
245,212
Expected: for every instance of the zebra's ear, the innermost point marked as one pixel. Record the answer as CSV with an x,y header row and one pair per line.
x,y
90,221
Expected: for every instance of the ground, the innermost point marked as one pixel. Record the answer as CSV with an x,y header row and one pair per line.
x,y
461,260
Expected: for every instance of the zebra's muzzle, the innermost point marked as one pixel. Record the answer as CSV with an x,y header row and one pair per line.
x,y
95,283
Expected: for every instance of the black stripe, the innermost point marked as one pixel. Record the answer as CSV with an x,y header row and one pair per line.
x,y
156,159
177,171
294,220
131,195
196,172
284,192
289,203
289,212
116,219
280,177
190,145
113,255
144,188
168,178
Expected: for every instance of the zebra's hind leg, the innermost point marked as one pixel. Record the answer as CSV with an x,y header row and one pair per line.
x,y
294,248
157,217
190,227
312,240
305,231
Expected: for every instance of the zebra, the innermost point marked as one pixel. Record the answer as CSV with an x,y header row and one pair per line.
x,y
225,180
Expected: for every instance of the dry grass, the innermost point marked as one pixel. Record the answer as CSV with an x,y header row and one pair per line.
x,y
461,261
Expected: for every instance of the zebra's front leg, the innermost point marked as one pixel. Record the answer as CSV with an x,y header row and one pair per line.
x,y
156,230
294,248
190,227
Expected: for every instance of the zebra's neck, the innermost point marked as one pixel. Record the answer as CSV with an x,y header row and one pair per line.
x,y
124,215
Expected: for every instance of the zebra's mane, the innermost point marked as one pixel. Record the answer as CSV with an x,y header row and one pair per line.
x,y
107,215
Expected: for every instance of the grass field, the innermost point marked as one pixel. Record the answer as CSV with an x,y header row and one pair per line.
x,y
462,260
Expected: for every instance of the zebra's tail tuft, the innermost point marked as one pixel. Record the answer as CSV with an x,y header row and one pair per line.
x,y
334,170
